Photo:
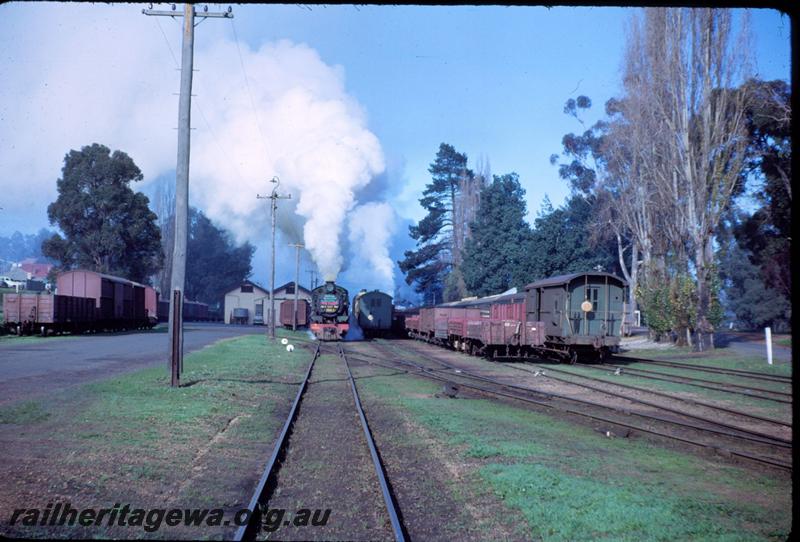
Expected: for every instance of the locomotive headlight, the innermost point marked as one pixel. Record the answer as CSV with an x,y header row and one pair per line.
x,y
370,318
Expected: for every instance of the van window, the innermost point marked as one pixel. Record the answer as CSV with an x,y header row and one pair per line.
x,y
593,295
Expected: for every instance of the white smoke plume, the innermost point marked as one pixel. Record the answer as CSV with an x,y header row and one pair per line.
x,y
300,126
112,79
371,227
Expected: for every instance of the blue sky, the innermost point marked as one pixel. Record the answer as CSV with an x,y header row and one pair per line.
x,y
492,81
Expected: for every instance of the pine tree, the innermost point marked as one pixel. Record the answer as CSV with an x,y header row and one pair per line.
x,y
439,235
493,254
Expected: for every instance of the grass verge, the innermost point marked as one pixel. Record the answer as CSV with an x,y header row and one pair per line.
x,y
133,439
566,482
720,357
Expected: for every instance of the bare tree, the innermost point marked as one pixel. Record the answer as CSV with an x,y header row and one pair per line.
x,y
698,119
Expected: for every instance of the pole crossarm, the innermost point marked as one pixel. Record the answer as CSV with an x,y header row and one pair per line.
x,y
200,14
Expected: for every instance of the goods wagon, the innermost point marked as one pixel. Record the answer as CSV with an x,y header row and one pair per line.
x,y
567,317
121,303
399,316
287,313
85,301
193,311
330,307
26,314
373,311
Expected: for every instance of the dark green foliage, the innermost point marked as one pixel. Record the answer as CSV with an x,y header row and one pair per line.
x,y
493,255
428,266
560,243
755,250
107,226
767,233
425,269
754,304
214,263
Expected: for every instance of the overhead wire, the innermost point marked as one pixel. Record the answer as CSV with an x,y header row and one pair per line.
x,y
214,137
256,116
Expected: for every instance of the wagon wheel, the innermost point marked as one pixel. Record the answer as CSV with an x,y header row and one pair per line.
x,y
573,357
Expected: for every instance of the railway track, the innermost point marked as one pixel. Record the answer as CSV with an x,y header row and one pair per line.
x,y
708,369
727,387
268,482
736,442
672,397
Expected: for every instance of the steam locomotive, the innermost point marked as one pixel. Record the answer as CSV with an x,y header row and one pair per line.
x,y
330,307
373,311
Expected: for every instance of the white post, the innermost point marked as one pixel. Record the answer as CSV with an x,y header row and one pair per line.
x,y
768,332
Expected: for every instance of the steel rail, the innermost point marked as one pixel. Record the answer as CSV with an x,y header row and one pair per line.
x,y
755,435
679,379
263,491
709,369
658,393
432,374
391,506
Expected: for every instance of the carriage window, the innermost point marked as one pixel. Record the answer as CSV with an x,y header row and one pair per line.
x,y
592,295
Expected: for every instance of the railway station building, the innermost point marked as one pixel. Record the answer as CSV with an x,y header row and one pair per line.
x,y
249,303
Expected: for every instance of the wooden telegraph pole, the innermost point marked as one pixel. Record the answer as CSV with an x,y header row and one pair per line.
x,y
182,184
297,246
274,207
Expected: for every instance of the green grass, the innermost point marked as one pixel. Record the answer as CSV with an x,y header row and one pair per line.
x,y
141,408
730,399
571,483
136,427
720,357
785,342
28,412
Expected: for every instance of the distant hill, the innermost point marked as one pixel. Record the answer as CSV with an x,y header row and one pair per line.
x,y
19,246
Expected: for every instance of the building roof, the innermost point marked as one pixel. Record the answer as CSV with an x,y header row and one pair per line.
x,y
17,273
564,279
291,283
246,282
37,270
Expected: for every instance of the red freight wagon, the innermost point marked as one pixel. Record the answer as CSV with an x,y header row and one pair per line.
x,y
43,313
151,304
515,310
287,312
441,316
120,306
412,325
426,322
457,325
